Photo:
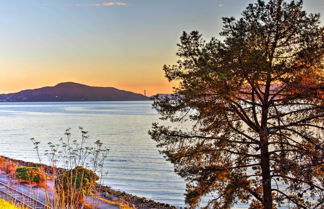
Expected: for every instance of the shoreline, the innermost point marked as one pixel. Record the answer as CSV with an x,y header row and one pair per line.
x,y
107,192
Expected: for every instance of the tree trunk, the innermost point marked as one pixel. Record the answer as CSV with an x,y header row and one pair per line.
x,y
265,166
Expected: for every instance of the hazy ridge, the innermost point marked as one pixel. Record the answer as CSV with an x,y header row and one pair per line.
x,y
70,91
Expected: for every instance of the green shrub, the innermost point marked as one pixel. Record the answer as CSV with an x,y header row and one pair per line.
x,y
30,174
74,184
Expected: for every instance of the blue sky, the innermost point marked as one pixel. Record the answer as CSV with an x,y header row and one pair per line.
x,y
109,43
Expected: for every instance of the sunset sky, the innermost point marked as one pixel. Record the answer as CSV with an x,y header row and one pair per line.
x,y
123,43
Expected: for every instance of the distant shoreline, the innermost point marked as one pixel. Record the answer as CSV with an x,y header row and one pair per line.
x,y
71,91
79,101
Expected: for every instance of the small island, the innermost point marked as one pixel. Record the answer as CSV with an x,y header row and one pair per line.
x,y
72,92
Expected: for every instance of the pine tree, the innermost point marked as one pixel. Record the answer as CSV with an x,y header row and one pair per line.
x,y
251,108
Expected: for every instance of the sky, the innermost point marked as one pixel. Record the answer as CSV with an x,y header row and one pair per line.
x,y
122,43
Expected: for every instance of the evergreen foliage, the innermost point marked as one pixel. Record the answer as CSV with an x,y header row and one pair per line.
x,y
254,101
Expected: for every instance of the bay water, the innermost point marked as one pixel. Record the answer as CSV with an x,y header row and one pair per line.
x,y
134,164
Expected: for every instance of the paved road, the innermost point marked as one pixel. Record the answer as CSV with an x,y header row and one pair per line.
x,y
100,204
20,194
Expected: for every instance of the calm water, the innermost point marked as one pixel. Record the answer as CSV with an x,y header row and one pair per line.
x,y
134,163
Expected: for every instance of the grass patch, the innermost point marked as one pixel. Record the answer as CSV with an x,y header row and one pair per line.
x,y
7,205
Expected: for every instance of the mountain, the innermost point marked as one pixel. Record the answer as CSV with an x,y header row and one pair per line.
x,y
70,91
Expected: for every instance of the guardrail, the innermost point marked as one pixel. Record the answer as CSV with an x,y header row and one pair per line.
x,y
21,198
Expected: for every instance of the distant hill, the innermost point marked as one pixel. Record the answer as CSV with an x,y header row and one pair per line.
x,y
70,91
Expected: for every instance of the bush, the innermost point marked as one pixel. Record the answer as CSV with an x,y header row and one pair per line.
x,y
30,175
74,184
7,166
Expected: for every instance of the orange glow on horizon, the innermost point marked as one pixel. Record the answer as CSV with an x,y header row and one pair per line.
x,y
151,89
121,74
